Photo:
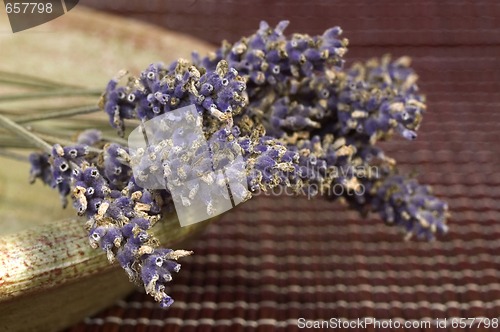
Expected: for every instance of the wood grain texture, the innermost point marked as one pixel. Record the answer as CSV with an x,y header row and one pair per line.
x,y
51,275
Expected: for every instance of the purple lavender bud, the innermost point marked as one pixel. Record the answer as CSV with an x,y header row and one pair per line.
x,y
149,274
273,56
171,265
147,198
264,163
166,302
116,171
112,237
61,167
40,168
142,223
312,55
124,204
245,144
406,133
406,203
206,89
96,235
126,254
75,153
89,137
332,34
93,206
92,176
64,190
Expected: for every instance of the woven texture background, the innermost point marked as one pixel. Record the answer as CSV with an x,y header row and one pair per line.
x,y
274,260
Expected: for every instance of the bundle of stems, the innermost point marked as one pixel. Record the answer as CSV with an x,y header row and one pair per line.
x,y
37,113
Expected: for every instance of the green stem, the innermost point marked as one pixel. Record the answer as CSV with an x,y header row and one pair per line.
x,y
62,141
28,79
24,133
118,140
25,84
57,114
12,155
11,142
49,94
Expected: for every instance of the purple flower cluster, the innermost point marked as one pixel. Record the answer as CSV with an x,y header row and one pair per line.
x,y
270,60
330,117
402,202
119,213
285,104
406,203
378,97
217,93
268,163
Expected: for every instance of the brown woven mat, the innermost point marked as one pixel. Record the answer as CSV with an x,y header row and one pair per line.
x,y
275,260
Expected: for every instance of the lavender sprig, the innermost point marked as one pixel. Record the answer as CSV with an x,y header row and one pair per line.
x,y
159,89
119,213
283,103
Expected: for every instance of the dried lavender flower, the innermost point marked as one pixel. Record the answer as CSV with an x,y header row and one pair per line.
x,y
217,94
119,213
379,97
274,110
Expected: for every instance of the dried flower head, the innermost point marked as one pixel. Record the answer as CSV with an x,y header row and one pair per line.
x,y
280,110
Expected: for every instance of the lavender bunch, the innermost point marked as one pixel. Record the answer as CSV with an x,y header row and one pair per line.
x,y
285,104
333,118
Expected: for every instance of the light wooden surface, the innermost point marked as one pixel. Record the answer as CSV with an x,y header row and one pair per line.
x,y
49,276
